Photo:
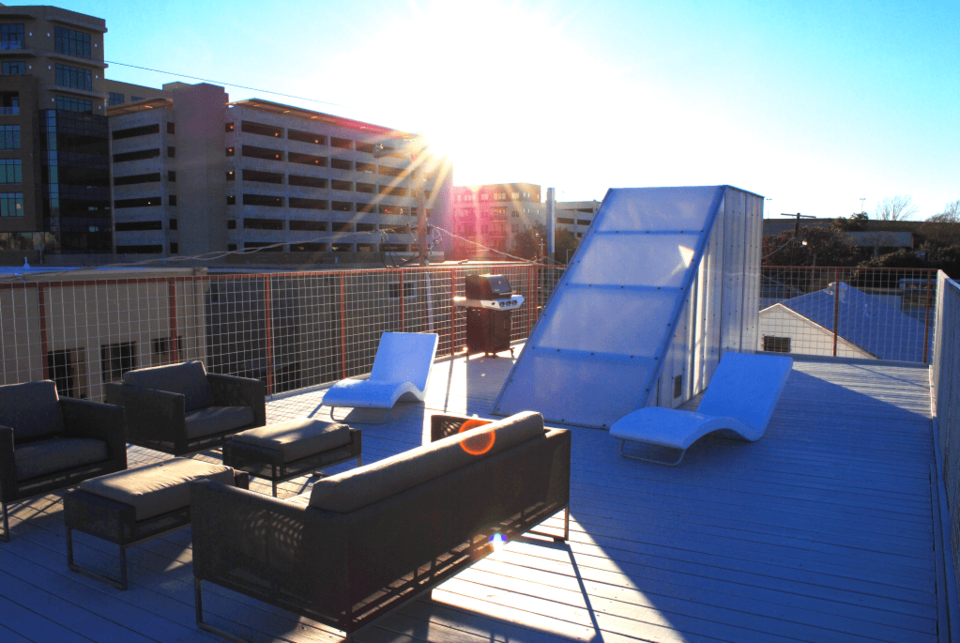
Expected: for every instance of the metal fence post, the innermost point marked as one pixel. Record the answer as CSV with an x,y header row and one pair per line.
x,y
42,310
836,307
343,328
926,324
268,316
174,344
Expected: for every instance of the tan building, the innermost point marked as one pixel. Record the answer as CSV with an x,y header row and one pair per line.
x,y
54,163
194,174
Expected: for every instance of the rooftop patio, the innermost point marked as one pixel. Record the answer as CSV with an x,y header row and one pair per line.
x,y
827,529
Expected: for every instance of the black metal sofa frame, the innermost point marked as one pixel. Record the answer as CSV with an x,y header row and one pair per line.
x,y
347,569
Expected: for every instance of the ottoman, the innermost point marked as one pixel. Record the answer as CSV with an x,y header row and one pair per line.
x,y
291,449
130,507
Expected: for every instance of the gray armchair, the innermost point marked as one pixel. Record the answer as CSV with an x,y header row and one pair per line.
x,y
180,408
48,442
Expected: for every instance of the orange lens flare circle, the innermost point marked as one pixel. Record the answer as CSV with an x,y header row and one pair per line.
x,y
480,444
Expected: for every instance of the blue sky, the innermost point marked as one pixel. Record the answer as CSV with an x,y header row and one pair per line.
x,y
811,104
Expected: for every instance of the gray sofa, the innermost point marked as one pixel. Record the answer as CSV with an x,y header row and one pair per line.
x,y
367,540
180,408
48,442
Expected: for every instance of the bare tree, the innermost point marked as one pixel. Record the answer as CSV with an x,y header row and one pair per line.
x,y
896,208
950,214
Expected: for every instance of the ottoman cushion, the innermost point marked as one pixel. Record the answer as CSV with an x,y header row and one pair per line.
x,y
296,439
157,488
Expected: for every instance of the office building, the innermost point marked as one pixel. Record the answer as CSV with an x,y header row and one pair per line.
x,y
54,158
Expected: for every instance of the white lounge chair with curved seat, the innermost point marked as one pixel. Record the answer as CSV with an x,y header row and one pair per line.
x,y
738,404
400,372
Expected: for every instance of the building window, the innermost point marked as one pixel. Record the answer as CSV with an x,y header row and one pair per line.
x,y
171,176
171,128
14,67
11,204
11,36
74,77
74,104
133,132
163,349
231,247
116,99
773,344
72,43
231,224
173,224
174,248
68,369
231,200
231,175
11,171
134,99
172,199
9,137
117,359
171,152
231,151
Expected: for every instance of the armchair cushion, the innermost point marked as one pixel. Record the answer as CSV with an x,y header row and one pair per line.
x,y
32,410
216,419
42,457
189,379
357,488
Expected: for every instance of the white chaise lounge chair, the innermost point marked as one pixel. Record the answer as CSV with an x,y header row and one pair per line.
x,y
400,372
738,404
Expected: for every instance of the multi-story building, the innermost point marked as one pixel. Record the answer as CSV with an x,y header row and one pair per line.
x,y
195,174
486,217
576,216
54,159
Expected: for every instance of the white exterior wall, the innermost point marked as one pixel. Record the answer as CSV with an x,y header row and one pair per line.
x,y
806,337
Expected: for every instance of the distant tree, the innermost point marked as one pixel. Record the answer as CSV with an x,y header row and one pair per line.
x,y
811,247
943,229
902,258
895,208
564,240
856,221
528,243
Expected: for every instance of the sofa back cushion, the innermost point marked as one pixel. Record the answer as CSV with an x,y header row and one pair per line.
x,y
32,410
188,378
360,487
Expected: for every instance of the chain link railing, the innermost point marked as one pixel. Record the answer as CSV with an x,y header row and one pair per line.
x,y
290,329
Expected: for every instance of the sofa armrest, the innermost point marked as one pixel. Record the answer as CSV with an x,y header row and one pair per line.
x,y
86,419
229,390
256,543
154,415
8,468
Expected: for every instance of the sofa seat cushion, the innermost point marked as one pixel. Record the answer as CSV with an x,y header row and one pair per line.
x,y
296,439
357,488
216,419
157,488
189,379
32,410
43,457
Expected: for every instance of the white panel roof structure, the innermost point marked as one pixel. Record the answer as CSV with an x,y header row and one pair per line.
x,y
595,352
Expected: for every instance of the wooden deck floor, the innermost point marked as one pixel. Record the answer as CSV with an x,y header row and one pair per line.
x,y
824,530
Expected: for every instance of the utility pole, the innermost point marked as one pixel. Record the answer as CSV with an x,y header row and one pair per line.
x,y
796,229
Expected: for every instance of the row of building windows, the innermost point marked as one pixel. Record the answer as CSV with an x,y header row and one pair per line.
x,y
74,104
11,171
497,196
74,77
72,43
12,67
273,131
264,200
9,137
11,204
11,35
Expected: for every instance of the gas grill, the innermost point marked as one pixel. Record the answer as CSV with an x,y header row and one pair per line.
x,y
489,301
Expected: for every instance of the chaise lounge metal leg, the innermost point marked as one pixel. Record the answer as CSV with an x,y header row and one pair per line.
x,y
121,584
660,462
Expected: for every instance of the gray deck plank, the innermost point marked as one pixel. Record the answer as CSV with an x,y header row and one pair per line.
x,y
821,531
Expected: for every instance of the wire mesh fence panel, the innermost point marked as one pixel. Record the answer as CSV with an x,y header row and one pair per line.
x,y
290,329
868,313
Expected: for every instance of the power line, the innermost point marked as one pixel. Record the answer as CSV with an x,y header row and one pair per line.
x,y
225,84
